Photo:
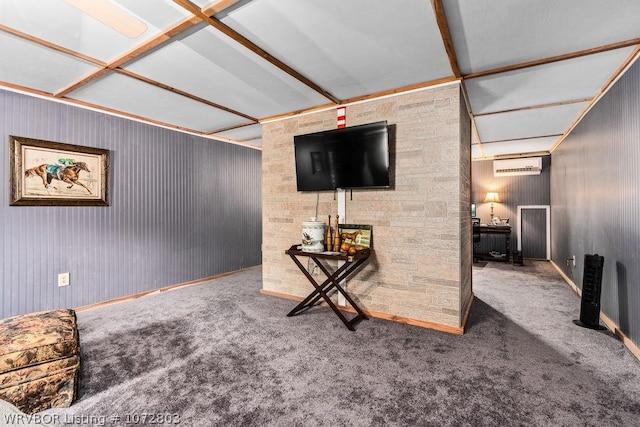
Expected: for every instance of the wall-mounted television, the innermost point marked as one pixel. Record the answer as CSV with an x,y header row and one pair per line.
x,y
351,157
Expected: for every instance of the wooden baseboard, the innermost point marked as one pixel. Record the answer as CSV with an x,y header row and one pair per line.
x,y
610,324
566,279
378,315
625,340
409,321
281,295
163,289
467,310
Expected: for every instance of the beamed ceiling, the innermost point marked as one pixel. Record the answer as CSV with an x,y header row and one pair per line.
x,y
529,69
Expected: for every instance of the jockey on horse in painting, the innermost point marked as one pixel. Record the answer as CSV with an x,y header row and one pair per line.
x,y
56,168
65,170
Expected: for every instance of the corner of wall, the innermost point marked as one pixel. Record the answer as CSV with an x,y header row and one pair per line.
x,y
421,267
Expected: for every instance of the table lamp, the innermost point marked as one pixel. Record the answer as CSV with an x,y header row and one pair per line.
x,y
492,198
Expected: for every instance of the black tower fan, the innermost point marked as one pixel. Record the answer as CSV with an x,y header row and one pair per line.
x,y
591,288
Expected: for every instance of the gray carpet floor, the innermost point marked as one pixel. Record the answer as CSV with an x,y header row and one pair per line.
x,y
221,354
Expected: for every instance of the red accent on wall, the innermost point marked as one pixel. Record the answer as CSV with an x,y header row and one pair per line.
x,y
342,117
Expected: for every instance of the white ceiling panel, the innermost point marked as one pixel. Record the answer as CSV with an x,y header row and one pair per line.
x,y
544,84
493,33
62,24
126,94
210,64
203,3
528,123
23,63
536,63
244,133
528,145
350,48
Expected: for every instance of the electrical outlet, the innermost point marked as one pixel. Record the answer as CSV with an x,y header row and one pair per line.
x,y
63,279
574,260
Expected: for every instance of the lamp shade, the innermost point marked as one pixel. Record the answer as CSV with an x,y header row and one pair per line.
x,y
492,197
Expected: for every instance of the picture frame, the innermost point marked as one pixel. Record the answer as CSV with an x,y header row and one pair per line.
x,y
358,234
45,173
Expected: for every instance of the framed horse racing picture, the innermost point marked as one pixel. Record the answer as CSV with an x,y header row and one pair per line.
x,y
45,173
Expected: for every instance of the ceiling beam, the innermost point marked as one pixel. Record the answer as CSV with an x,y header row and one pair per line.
x,y
372,96
402,89
82,81
82,104
512,156
521,139
133,53
218,6
155,41
250,139
23,89
185,94
115,64
479,143
297,113
136,117
552,59
50,45
96,107
604,89
239,38
443,26
534,107
213,132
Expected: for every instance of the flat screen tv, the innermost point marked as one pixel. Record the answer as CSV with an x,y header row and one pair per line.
x,y
351,157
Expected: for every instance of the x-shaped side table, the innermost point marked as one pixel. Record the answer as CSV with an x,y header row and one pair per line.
x,y
351,264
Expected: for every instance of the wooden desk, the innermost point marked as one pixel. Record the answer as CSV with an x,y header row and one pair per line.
x,y
351,264
501,230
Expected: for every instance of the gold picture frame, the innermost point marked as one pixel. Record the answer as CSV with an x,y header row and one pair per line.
x,y
45,173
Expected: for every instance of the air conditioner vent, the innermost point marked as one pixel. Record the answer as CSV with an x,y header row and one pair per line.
x,y
514,167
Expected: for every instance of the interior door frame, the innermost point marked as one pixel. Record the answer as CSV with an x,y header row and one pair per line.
x,y
547,209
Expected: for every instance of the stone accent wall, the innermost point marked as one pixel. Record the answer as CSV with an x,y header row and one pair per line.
x,y
421,263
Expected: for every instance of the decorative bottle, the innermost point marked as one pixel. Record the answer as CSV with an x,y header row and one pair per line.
x,y
336,236
329,238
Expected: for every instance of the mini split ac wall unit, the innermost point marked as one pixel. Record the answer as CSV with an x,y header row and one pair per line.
x,y
513,167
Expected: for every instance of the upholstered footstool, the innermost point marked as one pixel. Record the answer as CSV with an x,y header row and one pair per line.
x,y
39,360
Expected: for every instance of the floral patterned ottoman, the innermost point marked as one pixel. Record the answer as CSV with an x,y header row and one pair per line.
x,y
39,360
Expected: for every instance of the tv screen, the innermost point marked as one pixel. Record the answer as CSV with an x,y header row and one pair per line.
x,y
352,157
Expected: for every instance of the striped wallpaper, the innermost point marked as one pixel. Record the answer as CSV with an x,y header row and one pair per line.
x,y
595,189
181,208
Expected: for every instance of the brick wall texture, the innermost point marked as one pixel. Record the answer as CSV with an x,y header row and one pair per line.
x,y
421,263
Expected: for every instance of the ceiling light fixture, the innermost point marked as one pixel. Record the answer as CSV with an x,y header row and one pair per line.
x,y
112,16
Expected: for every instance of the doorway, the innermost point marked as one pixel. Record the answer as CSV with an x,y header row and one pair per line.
x,y
533,232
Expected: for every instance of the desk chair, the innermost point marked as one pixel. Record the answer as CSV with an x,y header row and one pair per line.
x,y
476,236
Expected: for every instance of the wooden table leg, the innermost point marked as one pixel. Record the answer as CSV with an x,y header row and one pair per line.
x,y
336,284
320,291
